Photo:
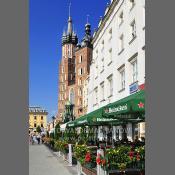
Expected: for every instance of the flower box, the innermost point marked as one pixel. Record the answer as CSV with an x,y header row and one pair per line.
x,y
89,171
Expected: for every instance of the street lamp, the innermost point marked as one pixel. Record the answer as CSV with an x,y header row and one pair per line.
x,y
53,118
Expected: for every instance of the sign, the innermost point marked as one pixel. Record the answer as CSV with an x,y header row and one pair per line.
x,y
142,86
116,109
133,87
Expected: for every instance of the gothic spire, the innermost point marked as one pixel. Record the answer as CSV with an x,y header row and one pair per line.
x,y
69,28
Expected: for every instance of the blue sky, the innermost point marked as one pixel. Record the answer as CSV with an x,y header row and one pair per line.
x,y
47,20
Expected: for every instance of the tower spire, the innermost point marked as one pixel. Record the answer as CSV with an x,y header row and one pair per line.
x,y
69,8
69,29
87,18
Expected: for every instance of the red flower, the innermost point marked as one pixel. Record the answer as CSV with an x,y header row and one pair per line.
x,y
103,161
88,157
98,160
138,156
131,154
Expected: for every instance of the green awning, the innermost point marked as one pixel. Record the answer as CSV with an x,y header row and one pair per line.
x,y
132,106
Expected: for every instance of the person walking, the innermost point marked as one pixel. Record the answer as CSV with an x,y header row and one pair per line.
x,y
38,138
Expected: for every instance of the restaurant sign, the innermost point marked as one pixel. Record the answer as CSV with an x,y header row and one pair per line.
x,y
116,109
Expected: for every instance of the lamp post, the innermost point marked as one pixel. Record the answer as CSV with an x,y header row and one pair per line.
x,y
53,119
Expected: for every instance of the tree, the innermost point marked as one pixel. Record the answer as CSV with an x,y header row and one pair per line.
x,y
38,129
57,131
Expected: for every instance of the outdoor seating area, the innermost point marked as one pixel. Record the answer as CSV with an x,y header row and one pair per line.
x,y
79,141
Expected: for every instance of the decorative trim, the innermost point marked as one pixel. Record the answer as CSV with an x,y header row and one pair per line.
x,y
121,90
121,51
109,63
132,39
133,56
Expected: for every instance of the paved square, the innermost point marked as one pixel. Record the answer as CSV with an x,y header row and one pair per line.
x,y
43,162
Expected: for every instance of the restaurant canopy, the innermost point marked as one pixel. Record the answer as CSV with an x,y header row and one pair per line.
x,y
130,107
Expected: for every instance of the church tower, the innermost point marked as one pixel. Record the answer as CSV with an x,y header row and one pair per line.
x,y
67,67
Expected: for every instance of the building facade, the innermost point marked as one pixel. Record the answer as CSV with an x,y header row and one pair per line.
x,y
73,70
118,63
37,117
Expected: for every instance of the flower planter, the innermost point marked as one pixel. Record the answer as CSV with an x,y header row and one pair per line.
x,y
88,171
127,172
90,165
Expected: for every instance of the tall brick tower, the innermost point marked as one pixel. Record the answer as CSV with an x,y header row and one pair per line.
x,y
67,69
74,68
83,56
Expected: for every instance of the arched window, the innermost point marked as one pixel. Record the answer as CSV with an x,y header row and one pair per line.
x,y
72,96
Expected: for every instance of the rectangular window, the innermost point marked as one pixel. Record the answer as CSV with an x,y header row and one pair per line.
x,y
102,91
102,64
110,82
41,117
133,29
35,117
120,18
110,34
35,125
96,95
80,59
80,71
122,78
102,47
134,71
42,125
121,43
110,55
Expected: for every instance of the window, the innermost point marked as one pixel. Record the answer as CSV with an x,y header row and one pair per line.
x,y
110,34
110,82
80,92
96,95
35,125
133,29
102,91
80,59
134,70
110,55
72,96
80,71
35,117
102,47
122,78
41,117
62,69
69,51
80,101
102,64
42,125
131,4
121,43
80,81
120,18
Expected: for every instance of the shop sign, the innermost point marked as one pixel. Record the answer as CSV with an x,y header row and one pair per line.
x,y
105,119
116,109
82,122
133,87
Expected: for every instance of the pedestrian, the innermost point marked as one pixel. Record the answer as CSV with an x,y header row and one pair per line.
x,y
38,138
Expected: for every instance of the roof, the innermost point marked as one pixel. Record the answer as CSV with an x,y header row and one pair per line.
x,y
35,109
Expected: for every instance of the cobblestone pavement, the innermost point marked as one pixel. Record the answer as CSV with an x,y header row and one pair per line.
x,y
43,162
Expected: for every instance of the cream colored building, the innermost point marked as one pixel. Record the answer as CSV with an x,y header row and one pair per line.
x,y
37,117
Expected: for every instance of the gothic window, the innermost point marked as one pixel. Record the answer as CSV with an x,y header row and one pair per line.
x,y
72,96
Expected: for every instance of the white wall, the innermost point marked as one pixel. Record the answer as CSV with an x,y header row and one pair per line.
x,y
118,60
